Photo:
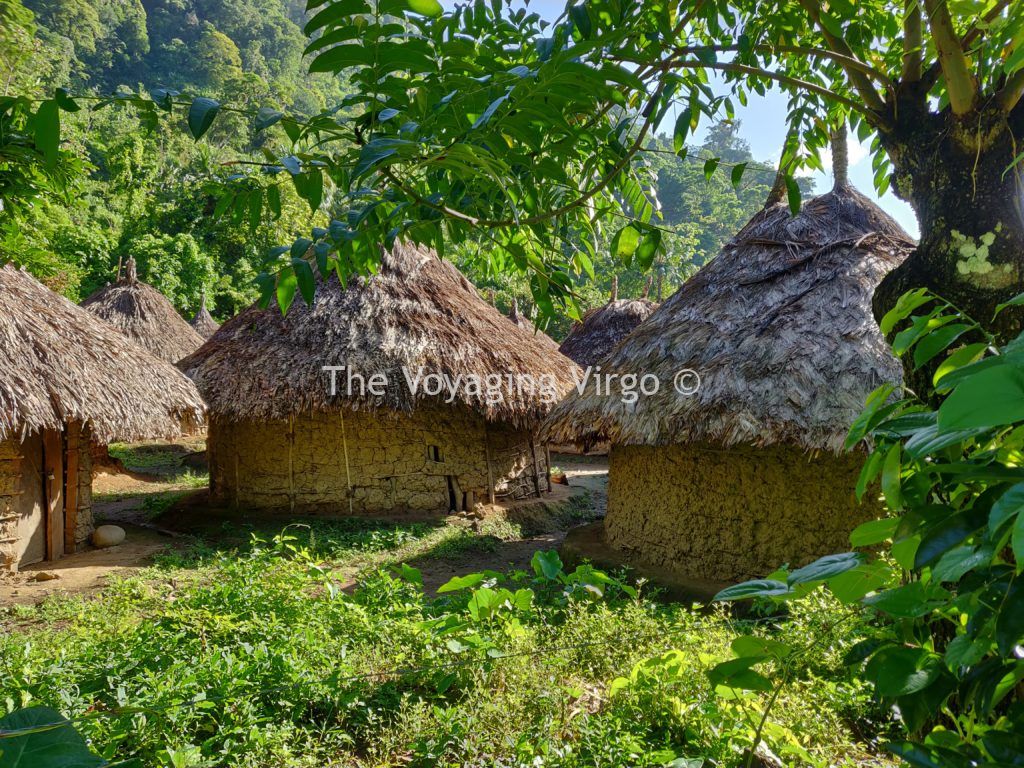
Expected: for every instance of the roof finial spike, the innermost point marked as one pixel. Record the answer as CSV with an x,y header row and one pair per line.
x,y
202,301
786,165
615,288
840,157
130,273
647,287
490,297
515,306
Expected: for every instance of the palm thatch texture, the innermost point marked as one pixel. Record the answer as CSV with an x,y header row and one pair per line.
x,y
203,322
60,364
591,340
417,313
778,327
145,316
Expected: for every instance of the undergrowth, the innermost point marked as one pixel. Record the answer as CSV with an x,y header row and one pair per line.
x,y
267,656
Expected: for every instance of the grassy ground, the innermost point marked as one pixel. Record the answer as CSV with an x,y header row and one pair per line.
x,y
273,654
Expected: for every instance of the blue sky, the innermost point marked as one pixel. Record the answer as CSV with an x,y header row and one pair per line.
x,y
763,125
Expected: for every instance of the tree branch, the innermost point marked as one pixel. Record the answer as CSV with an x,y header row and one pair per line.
x,y
1012,91
912,41
874,118
839,58
858,79
960,84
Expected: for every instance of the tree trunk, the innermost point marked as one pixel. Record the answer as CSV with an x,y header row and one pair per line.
x,y
970,208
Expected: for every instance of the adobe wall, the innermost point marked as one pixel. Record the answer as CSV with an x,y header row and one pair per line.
x,y
395,462
731,514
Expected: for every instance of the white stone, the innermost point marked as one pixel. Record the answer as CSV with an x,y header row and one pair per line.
x,y
108,536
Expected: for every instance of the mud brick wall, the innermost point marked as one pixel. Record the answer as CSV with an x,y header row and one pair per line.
x,y
10,487
78,438
432,460
731,514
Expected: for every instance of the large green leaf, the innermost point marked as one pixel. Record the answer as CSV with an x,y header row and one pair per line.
x,y
826,567
900,671
990,398
201,115
43,745
755,588
46,130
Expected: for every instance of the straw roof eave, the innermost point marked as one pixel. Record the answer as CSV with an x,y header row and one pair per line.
x,y
58,363
779,328
418,315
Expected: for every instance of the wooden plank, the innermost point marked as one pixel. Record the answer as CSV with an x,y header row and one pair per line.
x,y
536,466
490,469
74,433
547,458
53,482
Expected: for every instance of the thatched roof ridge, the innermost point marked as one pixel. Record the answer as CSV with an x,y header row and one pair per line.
x,y
417,313
58,363
779,327
591,340
145,316
203,322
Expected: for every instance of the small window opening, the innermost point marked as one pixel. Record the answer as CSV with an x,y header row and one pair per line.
x,y
434,453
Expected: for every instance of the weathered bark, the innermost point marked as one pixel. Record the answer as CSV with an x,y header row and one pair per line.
x,y
970,208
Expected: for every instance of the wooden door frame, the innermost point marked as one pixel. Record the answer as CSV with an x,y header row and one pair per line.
x,y
53,486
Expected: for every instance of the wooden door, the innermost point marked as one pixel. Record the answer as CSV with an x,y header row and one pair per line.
x,y
53,482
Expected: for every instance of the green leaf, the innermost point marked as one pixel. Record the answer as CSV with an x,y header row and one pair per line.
x,y
755,588
305,279
825,568
874,532
760,647
938,340
891,487
625,243
1017,300
681,130
853,585
709,167
737,673
46,131
547,564
469,581
900,671
201,115
906,602
954,564
287,284
430,8
906,304
990,398
1005,507
266,117
43,745
793,194
412,575
737,174
958,359
1010,621
648,248
64,101
581,20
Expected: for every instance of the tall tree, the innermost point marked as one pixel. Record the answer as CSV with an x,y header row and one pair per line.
x,y
490,117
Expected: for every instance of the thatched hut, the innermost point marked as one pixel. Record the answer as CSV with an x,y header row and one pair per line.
x,y
145,316
334,407
65,377
748,472
203,322
590,341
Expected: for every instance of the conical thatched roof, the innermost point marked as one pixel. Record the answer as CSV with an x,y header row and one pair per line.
x,y
602,328
145,316
58,363
778,327
203,322
417,313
